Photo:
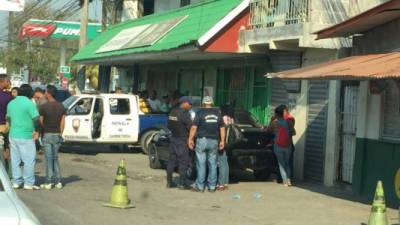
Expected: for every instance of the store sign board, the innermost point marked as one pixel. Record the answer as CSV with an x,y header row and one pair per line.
x,y
141,36
36,30
59,29
12,5
65,69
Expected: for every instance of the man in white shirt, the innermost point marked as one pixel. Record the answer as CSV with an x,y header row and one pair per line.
x,y
154,103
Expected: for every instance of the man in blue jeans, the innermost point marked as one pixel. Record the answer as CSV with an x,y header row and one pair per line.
x,y
209,129
52,117
23,118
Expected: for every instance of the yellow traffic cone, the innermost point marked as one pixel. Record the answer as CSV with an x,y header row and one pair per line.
x,y
119,195
378,210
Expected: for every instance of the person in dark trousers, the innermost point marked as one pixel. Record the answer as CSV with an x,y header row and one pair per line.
x,y
209,129
291,121
52,118
179,123
5,98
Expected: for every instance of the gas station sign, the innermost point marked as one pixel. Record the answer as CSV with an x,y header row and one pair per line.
x,y
56,29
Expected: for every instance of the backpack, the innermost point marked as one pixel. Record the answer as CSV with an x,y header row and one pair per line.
x,y
233,135
282,138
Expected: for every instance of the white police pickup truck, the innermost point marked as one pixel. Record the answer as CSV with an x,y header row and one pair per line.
x,y
109,119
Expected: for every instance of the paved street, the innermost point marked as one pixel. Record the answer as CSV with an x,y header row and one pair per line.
x,y
89,181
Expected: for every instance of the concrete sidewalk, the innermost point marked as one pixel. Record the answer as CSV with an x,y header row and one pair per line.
x,y
90,178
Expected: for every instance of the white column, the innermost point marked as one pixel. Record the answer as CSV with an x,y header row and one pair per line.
x,y
332,133
362,109
300,113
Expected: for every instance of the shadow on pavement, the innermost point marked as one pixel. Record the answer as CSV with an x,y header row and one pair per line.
x,y
65,180
94,149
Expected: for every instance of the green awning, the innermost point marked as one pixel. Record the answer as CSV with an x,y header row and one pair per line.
x,y
186,25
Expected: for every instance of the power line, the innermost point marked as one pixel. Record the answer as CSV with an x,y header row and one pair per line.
x,y
38,46
67,10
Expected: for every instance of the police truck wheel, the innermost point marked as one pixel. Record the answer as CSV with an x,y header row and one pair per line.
x,y
154,161
145,141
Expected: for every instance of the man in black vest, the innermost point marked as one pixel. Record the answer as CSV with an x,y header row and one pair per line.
x,y
179,123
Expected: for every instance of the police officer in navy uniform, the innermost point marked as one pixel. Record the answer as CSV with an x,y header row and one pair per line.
x,y
179,123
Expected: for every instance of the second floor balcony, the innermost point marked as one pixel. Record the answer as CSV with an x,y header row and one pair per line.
x,y
290,24
274,13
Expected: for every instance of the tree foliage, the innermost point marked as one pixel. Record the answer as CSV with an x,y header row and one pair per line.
x,y
41,56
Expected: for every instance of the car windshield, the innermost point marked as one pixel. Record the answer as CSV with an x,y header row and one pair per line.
x,y
245,119
68,102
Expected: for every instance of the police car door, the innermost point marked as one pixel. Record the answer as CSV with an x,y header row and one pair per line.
x,y
122,120
78,122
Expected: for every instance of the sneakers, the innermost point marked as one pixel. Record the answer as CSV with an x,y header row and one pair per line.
x,y
31,187
59,185
16,186
196,189
46,186
211,190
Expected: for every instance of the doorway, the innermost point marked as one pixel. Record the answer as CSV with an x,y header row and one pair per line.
x,y
349,96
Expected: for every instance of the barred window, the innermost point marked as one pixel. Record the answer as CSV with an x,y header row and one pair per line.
x,y
391,110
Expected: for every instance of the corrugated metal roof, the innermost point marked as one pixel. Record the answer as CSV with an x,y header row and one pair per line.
x,y
201,18
376,66
363,22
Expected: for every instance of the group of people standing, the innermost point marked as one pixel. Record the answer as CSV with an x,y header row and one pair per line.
x,y
24,119
203,139
203,135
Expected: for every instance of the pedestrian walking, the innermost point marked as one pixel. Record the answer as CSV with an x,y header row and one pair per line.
x,y
282,143
52,118
209,129
23,118
5,98
179,123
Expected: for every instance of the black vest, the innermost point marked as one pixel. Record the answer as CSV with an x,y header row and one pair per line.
x,y
179,123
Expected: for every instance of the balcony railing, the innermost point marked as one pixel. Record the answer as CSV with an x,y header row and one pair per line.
x,y
274,13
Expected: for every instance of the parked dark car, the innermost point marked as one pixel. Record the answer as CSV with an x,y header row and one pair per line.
x,y
254,151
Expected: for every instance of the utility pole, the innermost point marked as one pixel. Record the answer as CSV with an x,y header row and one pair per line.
x,y
81,78
10,34
84,23
104,15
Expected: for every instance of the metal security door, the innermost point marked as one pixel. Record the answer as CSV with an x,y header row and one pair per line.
x,y
316,130
281,61
349,129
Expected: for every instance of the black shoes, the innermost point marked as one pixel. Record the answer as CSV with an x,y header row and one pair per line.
x,y
171,185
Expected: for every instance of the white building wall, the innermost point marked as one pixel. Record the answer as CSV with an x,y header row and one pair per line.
x,y
165,5
358,6
369,113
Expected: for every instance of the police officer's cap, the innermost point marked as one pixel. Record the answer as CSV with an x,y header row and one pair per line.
x,y
184,99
